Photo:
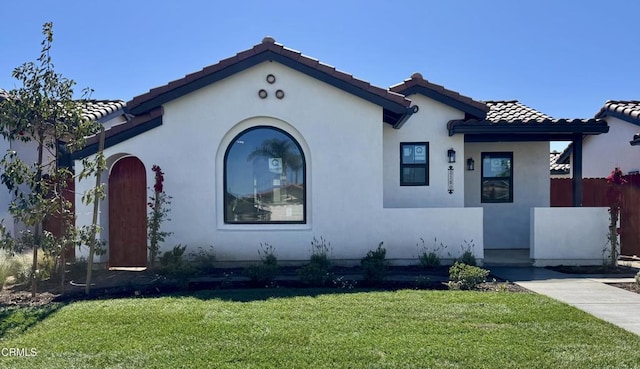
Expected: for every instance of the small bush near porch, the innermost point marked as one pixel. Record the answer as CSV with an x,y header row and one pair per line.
x,y
315,328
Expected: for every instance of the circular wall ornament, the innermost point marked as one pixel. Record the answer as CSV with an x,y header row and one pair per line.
x,y
271,79
263,94
280,94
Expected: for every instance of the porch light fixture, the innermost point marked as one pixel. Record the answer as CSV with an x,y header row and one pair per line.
x,y
471,165
263,94
451,154
450,179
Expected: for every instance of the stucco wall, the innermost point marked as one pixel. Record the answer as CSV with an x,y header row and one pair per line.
x,y
427,125
602,153
506,225
342,139
568,236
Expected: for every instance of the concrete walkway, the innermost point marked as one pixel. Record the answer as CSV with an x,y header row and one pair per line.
x,y
586,292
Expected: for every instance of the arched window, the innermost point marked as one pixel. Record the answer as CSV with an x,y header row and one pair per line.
x,y
264,178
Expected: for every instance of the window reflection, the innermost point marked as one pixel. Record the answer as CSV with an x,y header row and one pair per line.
x,y
264,178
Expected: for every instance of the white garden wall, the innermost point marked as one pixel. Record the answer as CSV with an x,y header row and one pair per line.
x,y
568,236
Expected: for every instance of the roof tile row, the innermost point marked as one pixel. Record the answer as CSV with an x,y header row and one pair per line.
x,y
624,109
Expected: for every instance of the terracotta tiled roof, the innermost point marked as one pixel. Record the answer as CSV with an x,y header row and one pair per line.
x,y
268,49
514,117
625,110
91,109
513,110
557,168
417,84
98,109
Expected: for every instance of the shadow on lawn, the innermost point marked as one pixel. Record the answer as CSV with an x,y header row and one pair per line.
x,y
16,320
263,294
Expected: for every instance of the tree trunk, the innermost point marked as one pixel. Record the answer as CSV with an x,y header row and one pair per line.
x,y
96,202
37,232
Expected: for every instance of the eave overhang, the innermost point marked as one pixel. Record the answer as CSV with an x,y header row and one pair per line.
x,y
559,129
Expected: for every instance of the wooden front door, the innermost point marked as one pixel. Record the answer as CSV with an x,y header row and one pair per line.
x,y
128,214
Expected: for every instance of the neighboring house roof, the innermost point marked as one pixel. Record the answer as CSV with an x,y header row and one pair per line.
x,y
626,110
418,85
91,109
99,109
555,167
514,118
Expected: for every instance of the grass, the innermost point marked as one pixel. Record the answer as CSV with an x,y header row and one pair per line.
x,y
319,329
13,266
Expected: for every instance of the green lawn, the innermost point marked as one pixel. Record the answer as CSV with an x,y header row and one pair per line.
x,y
286,328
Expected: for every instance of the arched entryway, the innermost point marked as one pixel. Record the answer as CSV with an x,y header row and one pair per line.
x,y
127,213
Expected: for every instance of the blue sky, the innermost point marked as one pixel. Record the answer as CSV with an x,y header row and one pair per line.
x,y
564,58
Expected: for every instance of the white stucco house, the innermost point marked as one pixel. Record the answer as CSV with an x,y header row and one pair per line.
x,y
603,153
273,146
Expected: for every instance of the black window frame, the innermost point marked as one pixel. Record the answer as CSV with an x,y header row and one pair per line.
x,y
304,179
413,165
496,154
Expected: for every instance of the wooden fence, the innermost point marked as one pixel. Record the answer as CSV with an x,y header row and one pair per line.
x,y
594,193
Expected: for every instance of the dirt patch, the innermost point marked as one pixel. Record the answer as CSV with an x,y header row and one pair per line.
x,y
632,287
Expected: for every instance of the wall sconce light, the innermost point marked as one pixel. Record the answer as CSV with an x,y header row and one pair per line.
x,y
450,180
451,154
471,165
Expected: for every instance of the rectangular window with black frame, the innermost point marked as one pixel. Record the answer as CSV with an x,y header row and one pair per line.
x,y
497,177
414,164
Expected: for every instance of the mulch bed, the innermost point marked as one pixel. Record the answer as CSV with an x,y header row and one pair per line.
x,y
633,287
117,284
621,270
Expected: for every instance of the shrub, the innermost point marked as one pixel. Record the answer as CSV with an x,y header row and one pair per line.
x,y
374,265
317,271
467,256
173,263
638,279
430,258
10,266
466,277
203,261
265,272
19,266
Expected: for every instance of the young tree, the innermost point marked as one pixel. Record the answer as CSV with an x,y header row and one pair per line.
x,y
41,111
